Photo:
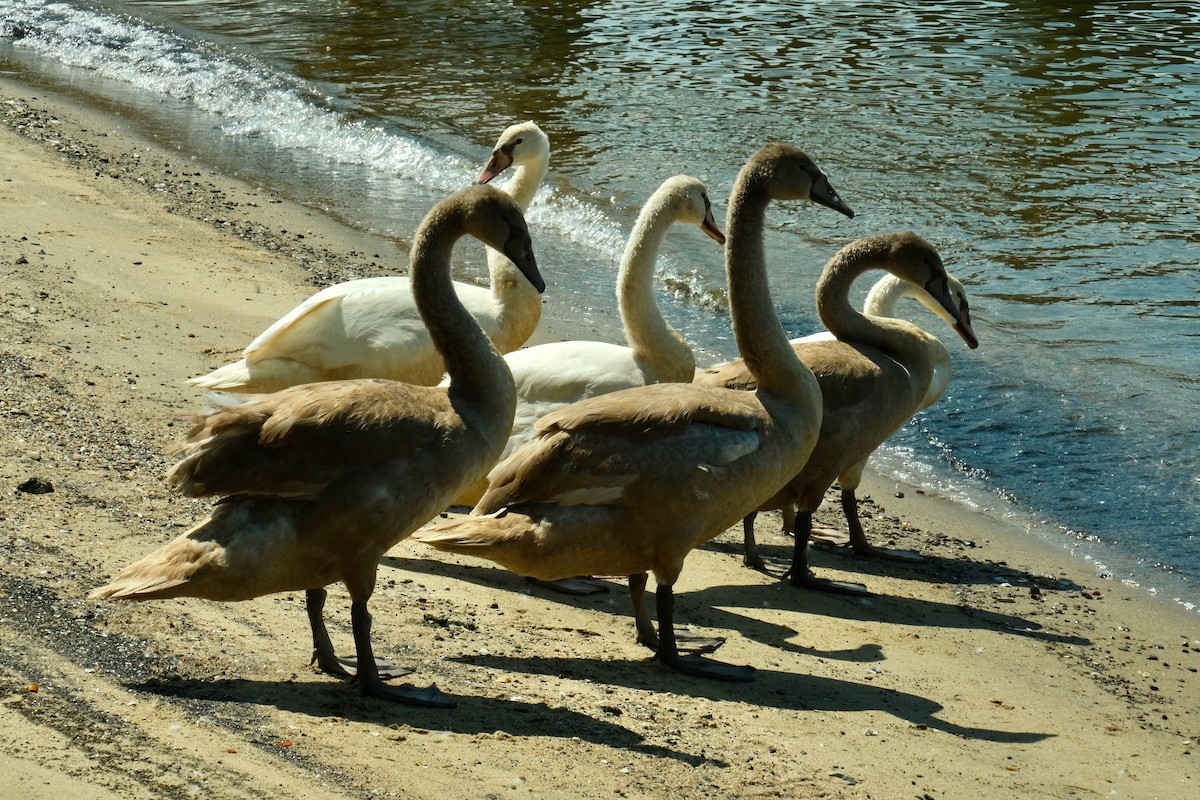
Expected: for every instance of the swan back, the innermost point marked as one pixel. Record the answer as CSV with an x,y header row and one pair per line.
x,y
371,328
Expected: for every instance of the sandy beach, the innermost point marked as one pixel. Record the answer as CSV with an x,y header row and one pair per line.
x,y
1002,668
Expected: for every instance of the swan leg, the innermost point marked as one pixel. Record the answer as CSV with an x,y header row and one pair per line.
x,y
800,575
693,663
581,585
368,675
324,656
751,557
648,636
858,538
788,512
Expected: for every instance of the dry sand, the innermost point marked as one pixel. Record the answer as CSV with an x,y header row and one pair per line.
x,y
998,670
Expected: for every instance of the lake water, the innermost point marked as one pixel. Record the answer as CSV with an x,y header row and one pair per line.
x,y
1050,151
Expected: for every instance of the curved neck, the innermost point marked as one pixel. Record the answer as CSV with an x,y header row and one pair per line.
x,y
885,296
526,180
847,323
472,362
760,338
649,335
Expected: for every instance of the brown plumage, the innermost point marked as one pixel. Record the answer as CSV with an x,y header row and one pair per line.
x,y
632,481
318,481
874,376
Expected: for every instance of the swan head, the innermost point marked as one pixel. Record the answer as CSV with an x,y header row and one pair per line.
x,y
688,201
520,144
495,219
963,325
787,173
914,259
888,290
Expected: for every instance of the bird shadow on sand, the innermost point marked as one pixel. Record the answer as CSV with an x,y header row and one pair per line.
x,y
771,688
964,570
733,607
472,715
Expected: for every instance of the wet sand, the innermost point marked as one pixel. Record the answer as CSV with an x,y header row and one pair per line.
x,y
1001,668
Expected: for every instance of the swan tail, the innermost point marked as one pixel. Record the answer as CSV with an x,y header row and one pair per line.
x,y
498,537
188,566
467,538
233,377
149,588
268,375
168,572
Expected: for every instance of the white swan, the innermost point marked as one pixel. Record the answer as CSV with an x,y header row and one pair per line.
x,y
370,328
550,376
319,480
632,481
874,376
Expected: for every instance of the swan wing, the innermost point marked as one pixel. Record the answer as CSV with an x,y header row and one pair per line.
x,y
338,325
297,441
610,450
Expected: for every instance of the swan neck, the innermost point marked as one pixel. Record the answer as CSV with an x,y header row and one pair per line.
x,y
472,362
840,317
510,290
526,180
760,338
884,298
648,333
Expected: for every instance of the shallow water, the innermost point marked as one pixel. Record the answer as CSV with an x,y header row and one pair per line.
x,y
1047,149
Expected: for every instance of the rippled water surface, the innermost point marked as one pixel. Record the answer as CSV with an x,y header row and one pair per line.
x,y
1048,150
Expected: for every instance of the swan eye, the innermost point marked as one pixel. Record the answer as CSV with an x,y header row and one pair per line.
x,y
518,141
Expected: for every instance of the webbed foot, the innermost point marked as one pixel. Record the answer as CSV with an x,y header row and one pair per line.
x,y
696,664
581,585
806,580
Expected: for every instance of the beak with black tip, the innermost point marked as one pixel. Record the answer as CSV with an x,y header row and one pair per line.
x,y
709,226
519,250
821,192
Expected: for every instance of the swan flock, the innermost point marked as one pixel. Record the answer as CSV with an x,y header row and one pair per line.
x,y
373,406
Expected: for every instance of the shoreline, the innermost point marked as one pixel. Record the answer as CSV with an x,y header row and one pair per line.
x,y
196,264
